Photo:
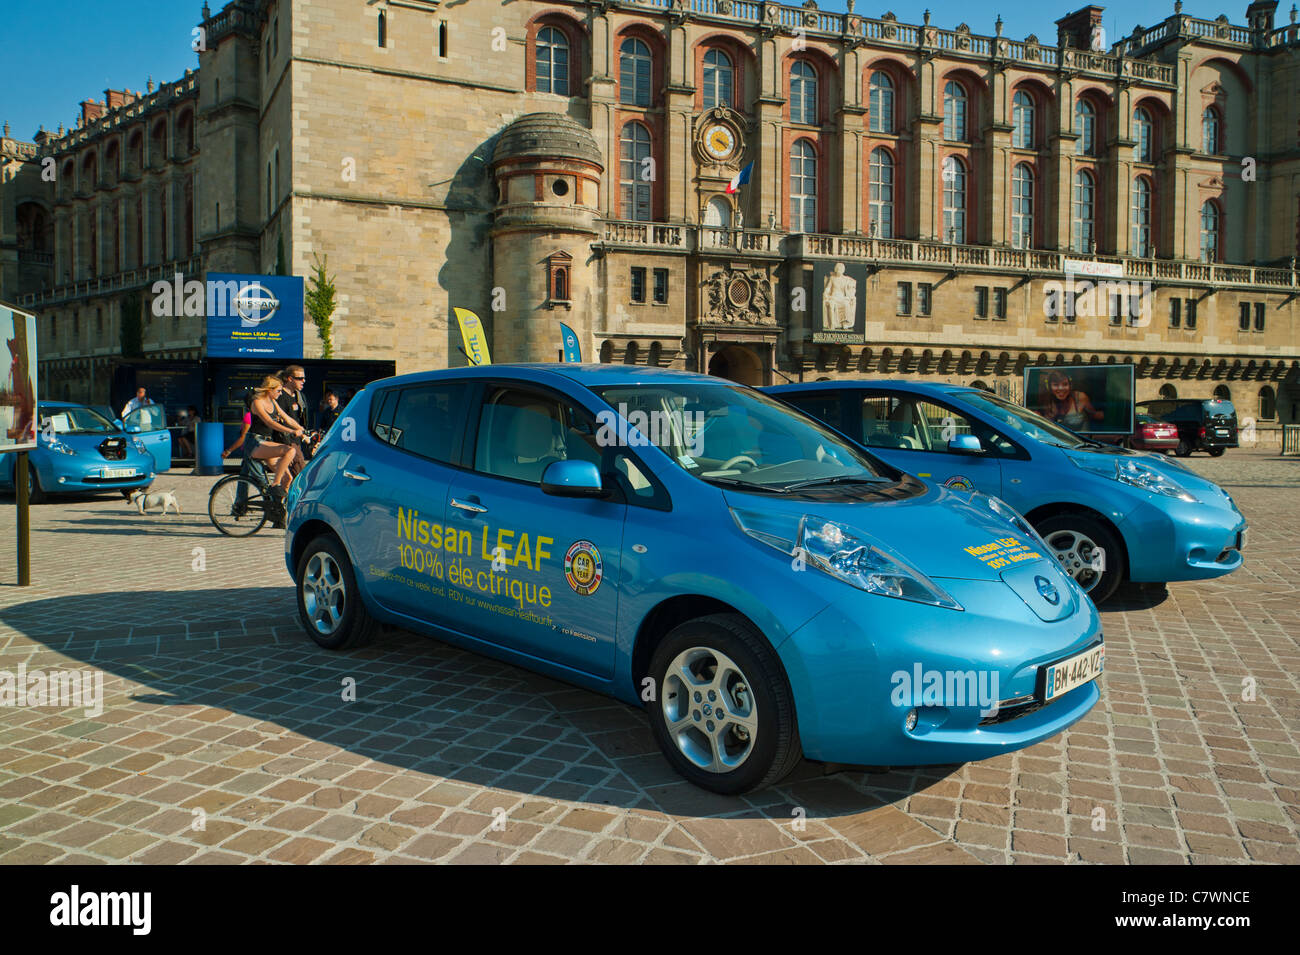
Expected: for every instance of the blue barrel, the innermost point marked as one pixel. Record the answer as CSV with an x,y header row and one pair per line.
x,y
211,442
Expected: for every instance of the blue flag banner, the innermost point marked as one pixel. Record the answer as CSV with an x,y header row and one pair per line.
x,y
572,348
254,316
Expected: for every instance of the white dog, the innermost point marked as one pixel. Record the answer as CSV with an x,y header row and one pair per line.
x,y
164,499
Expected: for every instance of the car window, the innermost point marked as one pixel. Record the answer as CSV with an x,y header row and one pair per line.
x,y
822,405
148,418
75,420
521,433
422,419
889,421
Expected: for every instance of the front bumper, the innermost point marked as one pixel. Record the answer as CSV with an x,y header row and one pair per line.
x,y
850,674
1178,540
73,475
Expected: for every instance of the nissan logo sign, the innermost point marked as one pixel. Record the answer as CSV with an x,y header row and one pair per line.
x,y
1048,590
255,305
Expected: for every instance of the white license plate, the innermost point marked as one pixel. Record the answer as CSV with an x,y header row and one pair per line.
x,y
117,472
1073,672
1222,431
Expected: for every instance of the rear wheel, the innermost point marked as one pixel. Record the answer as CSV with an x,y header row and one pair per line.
x,y
1184,448
329,603
725,715
238,507
1087,550
1216,452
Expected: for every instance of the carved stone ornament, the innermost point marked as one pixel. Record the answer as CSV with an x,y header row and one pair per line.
x,y
738,297
724,7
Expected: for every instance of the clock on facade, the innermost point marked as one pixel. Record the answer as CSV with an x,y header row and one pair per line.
x,y
719,142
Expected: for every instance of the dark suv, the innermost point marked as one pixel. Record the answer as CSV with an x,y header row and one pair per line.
x,y
1204,424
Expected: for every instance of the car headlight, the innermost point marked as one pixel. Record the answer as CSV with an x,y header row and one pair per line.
x,y
1134,473
54,444
845,553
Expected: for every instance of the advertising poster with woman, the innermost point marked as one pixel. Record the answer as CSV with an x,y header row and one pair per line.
x,y
1087,399
18,381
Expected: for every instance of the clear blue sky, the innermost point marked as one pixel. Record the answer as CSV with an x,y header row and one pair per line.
x,y
58,52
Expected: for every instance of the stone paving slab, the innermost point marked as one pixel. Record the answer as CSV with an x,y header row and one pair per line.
x,y
225,738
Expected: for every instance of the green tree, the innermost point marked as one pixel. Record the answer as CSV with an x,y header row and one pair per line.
x,y
132,330
320,303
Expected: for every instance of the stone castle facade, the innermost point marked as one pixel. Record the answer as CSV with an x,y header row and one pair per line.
x,y
541,162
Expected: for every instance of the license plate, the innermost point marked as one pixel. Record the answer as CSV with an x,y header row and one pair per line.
x,y
1073,672
117,472
1222,431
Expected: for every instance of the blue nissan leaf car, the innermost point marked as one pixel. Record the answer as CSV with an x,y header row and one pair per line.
x,y
762,587
78,450
1107,513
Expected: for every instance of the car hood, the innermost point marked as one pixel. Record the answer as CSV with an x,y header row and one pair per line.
x,y
1205,491
937,531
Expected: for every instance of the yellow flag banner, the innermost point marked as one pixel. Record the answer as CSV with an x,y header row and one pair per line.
x,y
471,333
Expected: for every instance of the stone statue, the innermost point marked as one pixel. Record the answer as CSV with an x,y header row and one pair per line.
x,y
839,300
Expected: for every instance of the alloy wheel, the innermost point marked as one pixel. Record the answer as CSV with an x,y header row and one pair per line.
x,y
324,594
709,709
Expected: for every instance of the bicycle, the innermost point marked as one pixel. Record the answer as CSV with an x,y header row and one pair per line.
x,y
240,504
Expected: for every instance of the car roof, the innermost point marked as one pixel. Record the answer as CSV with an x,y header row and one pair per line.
x,y
589,375
896,384
61,404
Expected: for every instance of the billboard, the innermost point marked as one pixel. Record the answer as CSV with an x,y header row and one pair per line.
x,y
1087,399
18,383
254,316
838,306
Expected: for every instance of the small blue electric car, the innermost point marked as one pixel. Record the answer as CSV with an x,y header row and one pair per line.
x,y
78,450
760,585
1108,514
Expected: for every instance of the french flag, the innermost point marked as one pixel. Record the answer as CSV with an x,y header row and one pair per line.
x,y
739,179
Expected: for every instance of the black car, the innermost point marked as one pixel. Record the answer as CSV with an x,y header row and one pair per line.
x,y
1204,424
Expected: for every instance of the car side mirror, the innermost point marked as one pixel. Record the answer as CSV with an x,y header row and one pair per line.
x,y
966,444
573,479
119,425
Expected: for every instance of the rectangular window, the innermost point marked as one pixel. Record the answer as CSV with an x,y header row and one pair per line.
x,y
1243,322
1072,303
925,297
1000,303
638,285
443,41
661,286
1259,316
1175,312
1190,313
1052,305
981,301
904,298
1134,309
1115,307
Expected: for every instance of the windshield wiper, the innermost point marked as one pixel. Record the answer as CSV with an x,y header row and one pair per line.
x,y
840,479
744,485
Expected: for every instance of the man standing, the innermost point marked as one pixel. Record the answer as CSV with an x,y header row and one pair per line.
x,y
139,401
291,403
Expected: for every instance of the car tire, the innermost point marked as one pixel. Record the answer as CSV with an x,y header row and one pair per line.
x,y
1216,452
1074,555
35,493
1184,448
329,604
751,683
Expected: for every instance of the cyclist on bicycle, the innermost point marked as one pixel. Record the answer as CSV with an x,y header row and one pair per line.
x,y
269,422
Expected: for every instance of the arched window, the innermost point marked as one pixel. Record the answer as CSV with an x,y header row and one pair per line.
x,y
718,74
1267,403
1142,216
1022,121
803,187
803,93
1168,391
1223,392
1210,231
1085,126
880,179
1211,130
954,112
382,30
1022,206
634,179
552,62
1144,132
634,72
1083,220
881,103
954,200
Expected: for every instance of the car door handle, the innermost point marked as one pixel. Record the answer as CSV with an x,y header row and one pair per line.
x,y
356,475
469,506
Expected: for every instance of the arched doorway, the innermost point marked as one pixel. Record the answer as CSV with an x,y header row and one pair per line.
x,y
737,363
717,214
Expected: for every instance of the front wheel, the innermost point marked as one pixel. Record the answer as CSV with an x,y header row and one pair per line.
x,y
35,493
724,717
1087,550
238,507
329,603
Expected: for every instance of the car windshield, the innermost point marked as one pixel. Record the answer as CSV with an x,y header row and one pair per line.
x,y
74,420
147,418
1021,420
731,435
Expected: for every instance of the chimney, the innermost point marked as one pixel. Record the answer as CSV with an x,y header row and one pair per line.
x,y
1260,15
117,98
1075,29
91,110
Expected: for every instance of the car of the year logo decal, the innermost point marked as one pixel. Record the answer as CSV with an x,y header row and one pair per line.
x,y
582,567
959,482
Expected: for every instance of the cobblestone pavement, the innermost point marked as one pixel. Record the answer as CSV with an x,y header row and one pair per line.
x,y
224,737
